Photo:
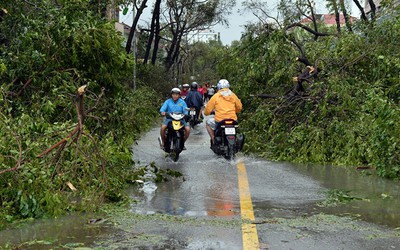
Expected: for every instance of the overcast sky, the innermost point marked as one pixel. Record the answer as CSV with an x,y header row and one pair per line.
x,y
237,21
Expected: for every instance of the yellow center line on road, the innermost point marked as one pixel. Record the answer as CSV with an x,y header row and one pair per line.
x,y
249,229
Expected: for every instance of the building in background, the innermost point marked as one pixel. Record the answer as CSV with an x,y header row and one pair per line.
x,y
328,19
204,36
124,29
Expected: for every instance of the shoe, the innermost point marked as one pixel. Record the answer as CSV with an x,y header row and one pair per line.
x,y
184,148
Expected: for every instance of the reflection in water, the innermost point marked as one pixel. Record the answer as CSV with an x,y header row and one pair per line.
x,y
205,193
220,200
149,189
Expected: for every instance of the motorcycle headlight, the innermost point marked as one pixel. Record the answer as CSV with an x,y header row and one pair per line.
x,y
177,116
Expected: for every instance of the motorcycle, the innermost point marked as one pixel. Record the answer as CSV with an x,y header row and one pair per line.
x,y
227,141
174,135
193,117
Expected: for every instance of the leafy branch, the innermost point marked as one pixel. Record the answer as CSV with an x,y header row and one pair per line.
x,y
75,134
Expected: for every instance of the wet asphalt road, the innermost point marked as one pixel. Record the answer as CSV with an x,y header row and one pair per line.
x,y
284,204
218,204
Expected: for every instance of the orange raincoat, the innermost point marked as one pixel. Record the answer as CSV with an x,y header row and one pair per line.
x,y
225,103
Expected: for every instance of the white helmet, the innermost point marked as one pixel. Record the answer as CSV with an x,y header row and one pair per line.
x,y
185,85
176,91
223,83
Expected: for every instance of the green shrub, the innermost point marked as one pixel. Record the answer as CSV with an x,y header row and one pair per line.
x,y
348,114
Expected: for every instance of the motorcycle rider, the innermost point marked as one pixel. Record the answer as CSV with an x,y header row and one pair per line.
x,y
194,99
173,104
225,104
185,90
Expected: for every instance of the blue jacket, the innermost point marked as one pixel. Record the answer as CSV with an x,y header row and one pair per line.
x,y
194,99
170,106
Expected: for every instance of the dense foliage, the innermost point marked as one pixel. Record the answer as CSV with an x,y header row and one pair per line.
x,y
48,51
200,62
349,113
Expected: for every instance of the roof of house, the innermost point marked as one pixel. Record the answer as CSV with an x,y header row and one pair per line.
x,y
328,19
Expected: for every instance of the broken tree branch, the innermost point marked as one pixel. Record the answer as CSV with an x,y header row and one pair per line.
x,y
79,127
316,33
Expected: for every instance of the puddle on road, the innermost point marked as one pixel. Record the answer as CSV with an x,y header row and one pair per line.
x,y
376,200
203,195
217,203
67,232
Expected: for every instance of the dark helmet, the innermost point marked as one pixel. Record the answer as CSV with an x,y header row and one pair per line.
x,y
194,85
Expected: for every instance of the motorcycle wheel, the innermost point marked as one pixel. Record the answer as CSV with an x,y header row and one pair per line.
x,y
231,153
167,146
174,156
192,123
176,149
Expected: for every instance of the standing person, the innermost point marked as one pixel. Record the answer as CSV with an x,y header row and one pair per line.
x,y
205,86
194,99
225,104
210,92
200,89
173,104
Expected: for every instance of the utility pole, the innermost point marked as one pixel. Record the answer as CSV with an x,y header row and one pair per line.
x,y
134,51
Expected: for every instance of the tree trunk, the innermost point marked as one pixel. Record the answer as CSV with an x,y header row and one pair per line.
x,y
177,48
151,36
314,20
346,16
156,32
363,16
337,15
373,9
178,72
169,61
134,24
